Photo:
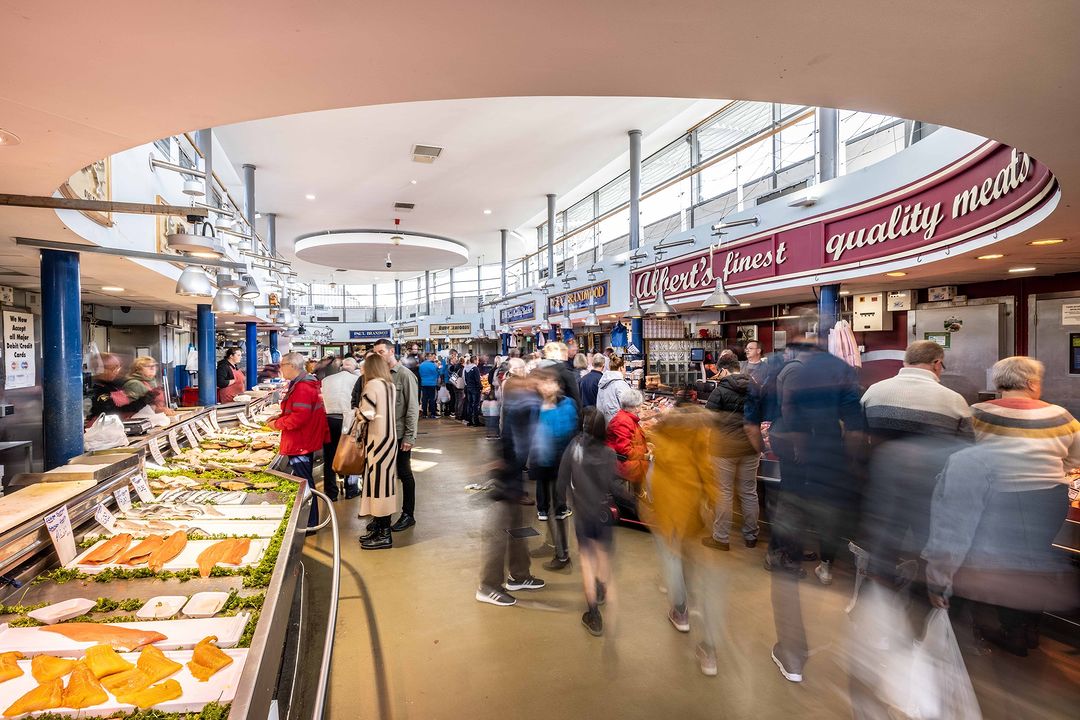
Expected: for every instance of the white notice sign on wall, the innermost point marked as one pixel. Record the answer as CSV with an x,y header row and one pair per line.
x,y
1070,314
20,350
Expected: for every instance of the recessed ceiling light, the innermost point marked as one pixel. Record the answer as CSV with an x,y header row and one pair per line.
x,y
8,138
258,216
845,292
896,274
991,256
412,182
111,288
487,212
1021,269
744,304
1047,241
310,196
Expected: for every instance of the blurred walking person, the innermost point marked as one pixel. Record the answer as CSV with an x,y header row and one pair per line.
x,y
557,421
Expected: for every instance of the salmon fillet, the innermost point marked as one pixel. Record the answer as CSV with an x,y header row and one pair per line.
x,y
207,659
83,689
153,695
9,665
138,554
109,549
170,548
46,667
230,551
122,638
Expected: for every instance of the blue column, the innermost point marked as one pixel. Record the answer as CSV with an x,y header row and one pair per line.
x,y
275,356
505,337
61,329
251,353
828,310
553,334
637,333
207,366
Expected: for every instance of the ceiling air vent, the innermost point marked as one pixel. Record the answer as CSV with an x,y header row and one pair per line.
x,y
425,153
404,206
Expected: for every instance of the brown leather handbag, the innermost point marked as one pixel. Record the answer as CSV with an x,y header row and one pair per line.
x,y
351,455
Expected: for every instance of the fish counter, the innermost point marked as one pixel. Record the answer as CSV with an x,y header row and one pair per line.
x,y
169,583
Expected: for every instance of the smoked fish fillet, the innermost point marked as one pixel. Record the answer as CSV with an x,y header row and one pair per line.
x,y
207,659
140,552
46,696
170,548
46,667
121,638
230,551
9,665
83,689
103,661
153,695
108,550
151,666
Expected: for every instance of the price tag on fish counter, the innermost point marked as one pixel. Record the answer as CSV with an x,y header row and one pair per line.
x,y
214,420
142,488
123,498
105,518
206,427
155,452
58,523
192,438
174,443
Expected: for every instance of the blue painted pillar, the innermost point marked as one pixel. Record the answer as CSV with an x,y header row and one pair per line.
x,y
637,335
275,356
251,353
505,343
207,366
61,329
828,310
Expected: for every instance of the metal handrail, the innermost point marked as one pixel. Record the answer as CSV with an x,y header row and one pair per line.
x,y
331,623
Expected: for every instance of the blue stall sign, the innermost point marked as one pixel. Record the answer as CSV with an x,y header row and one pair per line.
x,y
369,334
517,313
579,299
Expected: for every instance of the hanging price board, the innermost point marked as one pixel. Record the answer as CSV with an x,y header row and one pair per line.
x,y
123,498
58,523
155,453
193,441
104,517
173,442
142,488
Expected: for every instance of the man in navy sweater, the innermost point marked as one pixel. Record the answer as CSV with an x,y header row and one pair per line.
x,y
589,384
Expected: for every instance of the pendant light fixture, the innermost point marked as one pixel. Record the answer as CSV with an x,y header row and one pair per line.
x,y
196,243
591,319
194,188
661,308
193,282
250,289
720,298
225,302
545,324
247,307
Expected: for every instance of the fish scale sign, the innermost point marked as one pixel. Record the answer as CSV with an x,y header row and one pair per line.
x,y
992,187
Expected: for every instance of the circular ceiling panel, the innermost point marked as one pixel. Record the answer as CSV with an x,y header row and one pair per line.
x,y
368,250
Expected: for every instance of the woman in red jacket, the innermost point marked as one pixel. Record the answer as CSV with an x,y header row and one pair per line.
x,y
627,439
302,423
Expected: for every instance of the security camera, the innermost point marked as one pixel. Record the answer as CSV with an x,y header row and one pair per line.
x,y
389,262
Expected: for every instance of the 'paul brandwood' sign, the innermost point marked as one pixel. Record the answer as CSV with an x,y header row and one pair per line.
x,y
579,299
369,334
995,186
517,313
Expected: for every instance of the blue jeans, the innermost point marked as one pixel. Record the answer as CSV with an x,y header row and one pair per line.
x,y
302,466
427,401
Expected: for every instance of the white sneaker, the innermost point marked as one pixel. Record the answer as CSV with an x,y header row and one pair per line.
x,y
707,661
824,573
495,596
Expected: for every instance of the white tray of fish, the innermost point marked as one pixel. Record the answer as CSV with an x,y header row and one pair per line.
x,y
197,497
187,511
186,560
205,525
180,634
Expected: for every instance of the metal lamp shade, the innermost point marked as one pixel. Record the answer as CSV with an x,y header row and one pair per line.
x,y
250,290
545,325
720,298
661,308
247,307
197,245
193,282
194,188
225,302
635,312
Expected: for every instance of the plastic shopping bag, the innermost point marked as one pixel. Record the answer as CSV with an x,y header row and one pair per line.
x,y
443,395
106,432
156,419
940,686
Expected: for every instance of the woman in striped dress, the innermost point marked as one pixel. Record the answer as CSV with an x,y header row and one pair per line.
x,y
376,408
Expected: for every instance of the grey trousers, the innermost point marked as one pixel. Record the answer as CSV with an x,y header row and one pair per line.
x,y
501,549
736,475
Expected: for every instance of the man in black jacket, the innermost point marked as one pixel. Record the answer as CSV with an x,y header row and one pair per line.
x,y
589,384
736,458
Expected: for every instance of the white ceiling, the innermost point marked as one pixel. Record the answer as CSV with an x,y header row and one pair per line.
x,y
500,154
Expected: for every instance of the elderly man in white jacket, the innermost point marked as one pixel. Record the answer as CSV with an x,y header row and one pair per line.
x,y
337,398
612,386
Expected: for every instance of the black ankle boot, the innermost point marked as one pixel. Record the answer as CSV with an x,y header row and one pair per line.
x,y
404,522
382,539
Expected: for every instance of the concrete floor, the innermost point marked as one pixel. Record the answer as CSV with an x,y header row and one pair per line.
x,y
412,642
